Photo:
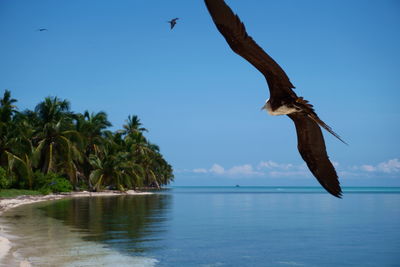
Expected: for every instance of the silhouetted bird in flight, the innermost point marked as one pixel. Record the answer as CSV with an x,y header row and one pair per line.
x,y
172,22
42,29
283,100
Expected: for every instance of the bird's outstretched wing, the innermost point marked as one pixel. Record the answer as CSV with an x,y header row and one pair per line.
x,y
172,22
311,145
234,32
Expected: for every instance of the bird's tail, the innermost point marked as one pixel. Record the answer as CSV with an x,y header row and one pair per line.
x,y
315,118
309,109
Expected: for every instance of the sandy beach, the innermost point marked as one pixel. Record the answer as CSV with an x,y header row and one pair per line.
x,y
9,203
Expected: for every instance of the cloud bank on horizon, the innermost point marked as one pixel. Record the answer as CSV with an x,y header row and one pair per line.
x,y
272,169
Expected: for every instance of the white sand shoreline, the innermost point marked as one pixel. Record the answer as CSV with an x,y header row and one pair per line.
x,y
9,203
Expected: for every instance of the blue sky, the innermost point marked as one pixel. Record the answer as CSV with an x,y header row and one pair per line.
x,y
199,100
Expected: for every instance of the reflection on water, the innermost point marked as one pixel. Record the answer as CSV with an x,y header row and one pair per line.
x,y
127,223
212,227
124,228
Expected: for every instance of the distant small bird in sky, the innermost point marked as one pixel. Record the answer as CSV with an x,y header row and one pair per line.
x,y
283,100
172,22
42,29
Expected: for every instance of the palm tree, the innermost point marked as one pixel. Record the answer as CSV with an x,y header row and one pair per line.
x,y
157,171
57,143
133,125
53,110
113,168
57,149
7,107
162,169
91,127
21,158
7,110
21,167
143,153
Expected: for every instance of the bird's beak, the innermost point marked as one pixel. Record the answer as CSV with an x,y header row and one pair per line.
x,y
264,107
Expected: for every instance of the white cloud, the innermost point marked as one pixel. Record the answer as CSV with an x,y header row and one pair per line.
x,y
275,170
289,173
217,169
390,166
246,170
367,168
273,165
200,170
264,168
241,170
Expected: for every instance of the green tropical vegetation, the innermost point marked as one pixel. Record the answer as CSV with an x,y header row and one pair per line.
x,y
52,149
12,193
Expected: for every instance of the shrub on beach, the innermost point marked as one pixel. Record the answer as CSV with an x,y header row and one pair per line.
x,y
51,183
4,181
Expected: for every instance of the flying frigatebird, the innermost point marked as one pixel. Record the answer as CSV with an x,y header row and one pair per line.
x,y
172,22
283,100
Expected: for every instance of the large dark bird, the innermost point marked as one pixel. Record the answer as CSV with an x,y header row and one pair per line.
x,y
42,29
172,22
283,100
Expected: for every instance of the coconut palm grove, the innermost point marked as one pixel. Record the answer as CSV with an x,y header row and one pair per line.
x,y
53,149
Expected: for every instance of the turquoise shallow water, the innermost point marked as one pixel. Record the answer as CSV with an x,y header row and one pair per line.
x,y
213,226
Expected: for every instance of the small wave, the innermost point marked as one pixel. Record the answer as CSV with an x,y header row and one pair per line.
x,y
292,263
4,247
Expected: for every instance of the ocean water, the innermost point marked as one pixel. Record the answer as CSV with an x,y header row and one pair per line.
x,y
212,226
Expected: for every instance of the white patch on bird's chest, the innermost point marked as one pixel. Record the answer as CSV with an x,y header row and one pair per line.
x,y
282,110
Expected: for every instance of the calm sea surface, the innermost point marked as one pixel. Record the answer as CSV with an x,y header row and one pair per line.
x,y
212,226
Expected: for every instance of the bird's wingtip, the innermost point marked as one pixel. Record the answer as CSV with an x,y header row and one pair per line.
x,y
338,194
